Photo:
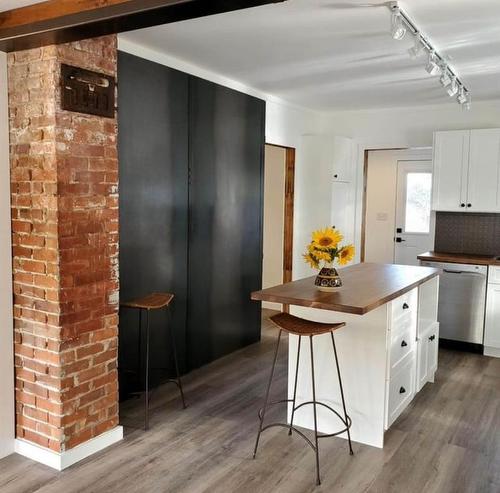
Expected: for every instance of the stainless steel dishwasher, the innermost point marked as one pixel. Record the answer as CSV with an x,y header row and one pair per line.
x,y
462,300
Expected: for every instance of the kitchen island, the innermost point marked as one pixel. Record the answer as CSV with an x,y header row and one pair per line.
x,y
387,351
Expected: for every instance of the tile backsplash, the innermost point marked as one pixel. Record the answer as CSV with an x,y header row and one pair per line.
x,y
471,233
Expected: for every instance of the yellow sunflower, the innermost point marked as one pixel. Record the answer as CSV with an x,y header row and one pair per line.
x,y
311,260
326,239
346,254
322,255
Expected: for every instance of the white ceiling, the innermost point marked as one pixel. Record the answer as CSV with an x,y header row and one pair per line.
x,y
15,4
338,54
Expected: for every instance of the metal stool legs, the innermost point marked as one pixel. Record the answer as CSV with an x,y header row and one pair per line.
x,y
177,380
295,386
174,350
342,394
266,400
313,381
346,420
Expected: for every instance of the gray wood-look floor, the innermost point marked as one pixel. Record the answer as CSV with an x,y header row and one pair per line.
x,y
448,440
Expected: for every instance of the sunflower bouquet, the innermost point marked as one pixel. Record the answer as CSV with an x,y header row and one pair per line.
x,y
325,249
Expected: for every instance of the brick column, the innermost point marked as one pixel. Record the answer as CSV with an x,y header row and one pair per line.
x,y
64,177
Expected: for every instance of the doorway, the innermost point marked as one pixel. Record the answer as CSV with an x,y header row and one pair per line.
x,y
279,179
398,221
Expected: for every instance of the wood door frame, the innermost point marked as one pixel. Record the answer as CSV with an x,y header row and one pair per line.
x,y
289,210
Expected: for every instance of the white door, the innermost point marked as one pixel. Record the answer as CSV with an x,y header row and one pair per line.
x,y
414,219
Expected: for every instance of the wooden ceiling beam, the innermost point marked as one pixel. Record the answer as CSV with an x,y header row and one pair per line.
x,y
62,21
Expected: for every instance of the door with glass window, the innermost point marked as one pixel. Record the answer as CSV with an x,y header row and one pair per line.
x,y
414,219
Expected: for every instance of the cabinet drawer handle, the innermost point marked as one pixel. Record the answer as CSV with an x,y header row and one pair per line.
x,y
431,338
335,176
404,344
402,390
462,205
406,306
469,205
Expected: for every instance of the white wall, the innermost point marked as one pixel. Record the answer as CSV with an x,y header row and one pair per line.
x,y
403,128
285,125
6,329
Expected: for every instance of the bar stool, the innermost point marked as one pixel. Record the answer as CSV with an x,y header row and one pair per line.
x,y
154,301
304,328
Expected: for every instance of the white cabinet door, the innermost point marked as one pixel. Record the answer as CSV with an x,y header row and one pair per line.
x,y
484,166
427,355
492,325
343,209
342,155
450,165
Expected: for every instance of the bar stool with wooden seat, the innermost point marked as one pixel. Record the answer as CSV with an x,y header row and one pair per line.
x,y
305,328
155,301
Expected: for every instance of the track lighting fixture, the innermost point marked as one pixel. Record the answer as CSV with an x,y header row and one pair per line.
x,y
453,88
398,29
401,24
445,78
432,66
417,49
462,98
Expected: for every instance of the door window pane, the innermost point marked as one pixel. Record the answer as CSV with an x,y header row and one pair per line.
x,y
418,202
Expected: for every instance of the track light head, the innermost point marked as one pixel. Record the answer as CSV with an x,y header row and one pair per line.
x,y
466,105
418,47
398,29
453,89
445,78
432,66
462,96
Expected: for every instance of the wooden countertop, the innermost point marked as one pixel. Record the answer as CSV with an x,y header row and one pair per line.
x,y
459,258
366,286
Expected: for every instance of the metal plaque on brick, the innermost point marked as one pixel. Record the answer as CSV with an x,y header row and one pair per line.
x,y
85,91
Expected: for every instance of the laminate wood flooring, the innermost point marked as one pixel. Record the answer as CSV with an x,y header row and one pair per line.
x,y
447,441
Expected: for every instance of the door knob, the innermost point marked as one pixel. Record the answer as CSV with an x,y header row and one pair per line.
x,y
462,205
406,306
402,390
431,338
404,344
469,205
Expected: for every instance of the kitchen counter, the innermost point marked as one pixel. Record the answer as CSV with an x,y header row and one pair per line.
x,y
388,349
459,258
365,287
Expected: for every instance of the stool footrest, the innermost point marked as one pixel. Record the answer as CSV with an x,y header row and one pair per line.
x,y
347,424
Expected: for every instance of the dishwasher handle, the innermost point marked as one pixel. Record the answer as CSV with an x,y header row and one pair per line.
x,y
448,271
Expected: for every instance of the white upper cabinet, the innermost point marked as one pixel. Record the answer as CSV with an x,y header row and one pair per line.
x,y
451,157
484,167
467,171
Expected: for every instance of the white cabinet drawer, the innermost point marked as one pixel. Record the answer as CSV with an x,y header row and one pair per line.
x,y
404,305
402,344
494,275
401,388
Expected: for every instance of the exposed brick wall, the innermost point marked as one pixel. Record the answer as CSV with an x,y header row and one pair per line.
x,y
64,177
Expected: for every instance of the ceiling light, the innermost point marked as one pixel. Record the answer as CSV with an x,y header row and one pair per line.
x,y
462,97
417,49
432,64
466,105
437,63
445,79
453,89
398,29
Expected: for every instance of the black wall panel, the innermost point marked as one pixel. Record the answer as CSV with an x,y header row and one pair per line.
x,y
191,195
153,154
226,146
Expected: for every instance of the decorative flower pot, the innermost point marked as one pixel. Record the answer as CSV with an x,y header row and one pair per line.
x,y
328,279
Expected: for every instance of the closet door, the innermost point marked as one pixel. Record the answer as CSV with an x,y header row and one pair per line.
x,y
153,155
225,241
